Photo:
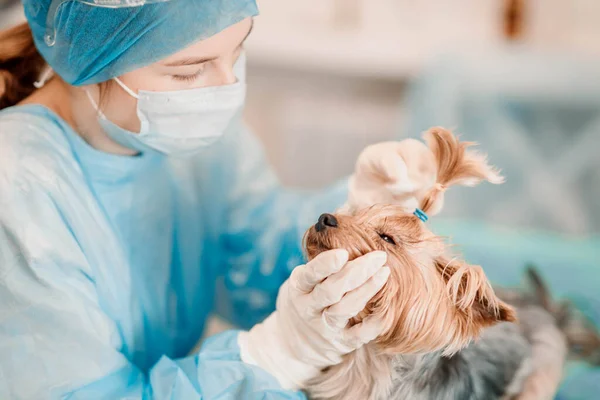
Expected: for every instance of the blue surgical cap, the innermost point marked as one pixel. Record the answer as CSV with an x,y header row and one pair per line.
x,y
94,43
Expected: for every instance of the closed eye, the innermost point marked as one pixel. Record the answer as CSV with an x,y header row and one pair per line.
x,y
387,238
190,77
186,78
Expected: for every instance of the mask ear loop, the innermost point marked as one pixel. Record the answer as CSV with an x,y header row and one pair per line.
x,y
46,75
127,89
94,104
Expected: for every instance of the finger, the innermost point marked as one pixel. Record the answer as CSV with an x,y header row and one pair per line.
x,y
353,275
400,187
356,301
323,265
393,166
369,329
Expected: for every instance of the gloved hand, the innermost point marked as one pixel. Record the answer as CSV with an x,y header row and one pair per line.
x,y
309,329
397,173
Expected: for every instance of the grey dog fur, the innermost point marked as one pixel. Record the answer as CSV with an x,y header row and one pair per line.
x,y
493,367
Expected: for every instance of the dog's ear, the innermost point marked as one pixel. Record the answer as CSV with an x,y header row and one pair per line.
x,y
562,313
471,293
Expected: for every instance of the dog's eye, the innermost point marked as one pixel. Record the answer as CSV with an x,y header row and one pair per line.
x,y
387,238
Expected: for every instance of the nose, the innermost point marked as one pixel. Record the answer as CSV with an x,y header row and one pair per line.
x,y
225,77
222,74
326,220
228,76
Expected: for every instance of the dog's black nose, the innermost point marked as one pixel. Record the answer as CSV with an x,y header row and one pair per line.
x,y
326,220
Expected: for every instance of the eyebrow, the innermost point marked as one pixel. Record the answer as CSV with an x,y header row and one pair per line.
x,y
190,61
202,60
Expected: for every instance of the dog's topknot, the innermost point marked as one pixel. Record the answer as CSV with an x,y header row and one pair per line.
x,y
457,164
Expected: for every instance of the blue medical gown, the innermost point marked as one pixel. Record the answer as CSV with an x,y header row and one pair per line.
x,y
109,265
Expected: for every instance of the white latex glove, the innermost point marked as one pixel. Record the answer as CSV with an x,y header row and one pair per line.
x,y
309,329
397,173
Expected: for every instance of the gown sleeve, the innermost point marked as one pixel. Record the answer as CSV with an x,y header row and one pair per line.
x,y
264,229
56,339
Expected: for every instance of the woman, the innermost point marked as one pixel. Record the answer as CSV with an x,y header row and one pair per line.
x,y
130,192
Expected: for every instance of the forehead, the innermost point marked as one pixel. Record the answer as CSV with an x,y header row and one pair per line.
x,y
392,220
226,40
393,216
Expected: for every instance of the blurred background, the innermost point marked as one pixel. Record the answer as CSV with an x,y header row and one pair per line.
x,y
521,77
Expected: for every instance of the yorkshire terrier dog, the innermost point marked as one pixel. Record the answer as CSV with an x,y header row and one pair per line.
x,y
434,306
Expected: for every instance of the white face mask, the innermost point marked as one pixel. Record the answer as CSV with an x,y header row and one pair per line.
x,y
182,122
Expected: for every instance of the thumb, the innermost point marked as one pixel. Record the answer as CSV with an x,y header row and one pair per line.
x,y
369,329
392,166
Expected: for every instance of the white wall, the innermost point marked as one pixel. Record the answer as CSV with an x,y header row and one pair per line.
x,y
314,125
10,15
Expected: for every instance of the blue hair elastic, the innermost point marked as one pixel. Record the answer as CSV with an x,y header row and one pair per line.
x,y
421,215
